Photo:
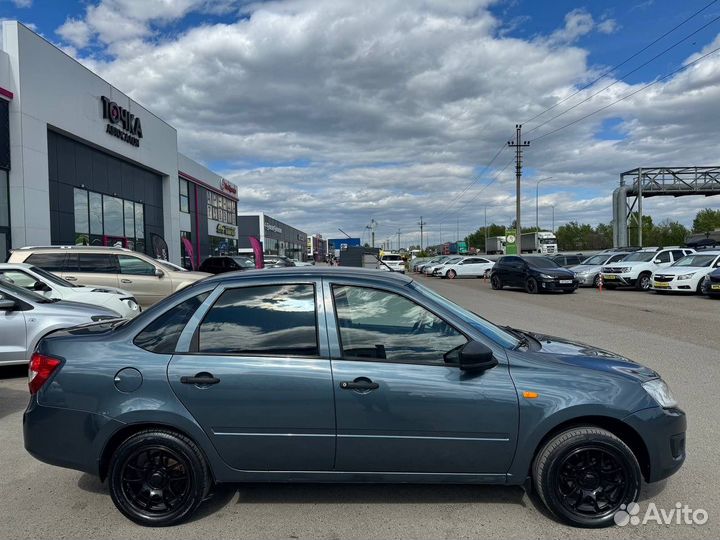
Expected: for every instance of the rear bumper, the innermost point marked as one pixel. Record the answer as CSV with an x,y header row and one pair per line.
x,y
663,431
64,437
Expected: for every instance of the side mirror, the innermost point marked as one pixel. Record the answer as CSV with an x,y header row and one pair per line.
x,y
476,356
6,304
159,273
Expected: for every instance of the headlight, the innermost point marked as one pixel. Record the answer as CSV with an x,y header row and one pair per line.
x,y
131,303
659,391
546,276
685,276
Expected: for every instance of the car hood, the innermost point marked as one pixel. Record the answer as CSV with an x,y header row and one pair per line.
x,y
581,355
679,271
78,309
586,268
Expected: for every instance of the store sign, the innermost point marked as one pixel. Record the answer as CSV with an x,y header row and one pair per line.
x,y
511,247
227,230
228,187
121,123
273,228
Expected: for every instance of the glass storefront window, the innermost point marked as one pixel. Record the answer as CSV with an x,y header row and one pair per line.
x,y
96,217
4,202
184,196
82,224
113,216
129,213
221,208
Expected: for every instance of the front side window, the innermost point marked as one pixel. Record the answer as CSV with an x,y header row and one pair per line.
x,y
277,320
161,335
381,325
135,266
664,257
21,279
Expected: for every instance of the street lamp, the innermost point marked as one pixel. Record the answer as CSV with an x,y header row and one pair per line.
x,y
553,218
537,200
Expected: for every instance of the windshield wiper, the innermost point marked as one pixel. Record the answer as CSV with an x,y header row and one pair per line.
x,y
522,338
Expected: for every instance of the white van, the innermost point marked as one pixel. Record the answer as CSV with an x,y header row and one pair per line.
x,y
392,262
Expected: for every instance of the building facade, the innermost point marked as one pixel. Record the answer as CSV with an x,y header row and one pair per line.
x,y
82,163
276,237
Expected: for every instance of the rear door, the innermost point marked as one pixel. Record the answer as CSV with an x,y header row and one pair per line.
x,y
402,404
256,376
98,269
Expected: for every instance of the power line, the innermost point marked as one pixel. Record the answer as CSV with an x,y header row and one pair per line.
x,y
607,72
491,182
623,76
626,96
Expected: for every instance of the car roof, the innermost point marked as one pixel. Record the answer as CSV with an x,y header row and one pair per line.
x,y
295,272
75,248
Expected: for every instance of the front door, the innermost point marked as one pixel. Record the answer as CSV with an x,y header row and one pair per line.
x,y
139,277
258,381
13,334
402,404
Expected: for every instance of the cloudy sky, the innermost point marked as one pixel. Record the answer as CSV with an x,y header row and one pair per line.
x,y
330,113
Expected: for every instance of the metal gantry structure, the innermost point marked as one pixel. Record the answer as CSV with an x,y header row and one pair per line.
x,y
643,182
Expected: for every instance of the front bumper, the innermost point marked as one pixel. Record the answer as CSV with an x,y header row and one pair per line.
x,y
586,280
711,288
663,432
624,280
555,285
686,285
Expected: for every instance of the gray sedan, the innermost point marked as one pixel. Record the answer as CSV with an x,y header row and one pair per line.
x,y
588,271
25,317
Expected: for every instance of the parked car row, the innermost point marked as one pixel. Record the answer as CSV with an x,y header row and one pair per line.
x,y
456,266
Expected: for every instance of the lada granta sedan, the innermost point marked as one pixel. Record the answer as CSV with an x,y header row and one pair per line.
x,y
343,375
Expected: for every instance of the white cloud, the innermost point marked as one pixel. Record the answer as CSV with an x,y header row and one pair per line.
x,y
328,114
76,32
22,3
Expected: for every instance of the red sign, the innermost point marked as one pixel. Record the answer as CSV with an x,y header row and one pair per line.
x,y
228,187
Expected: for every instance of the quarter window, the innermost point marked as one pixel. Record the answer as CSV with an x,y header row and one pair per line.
x,y
271,320
380,325
161,335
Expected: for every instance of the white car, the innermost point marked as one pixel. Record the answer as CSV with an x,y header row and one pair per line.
x,y
391,262
475,267
636,269
50,286
688,273
433,269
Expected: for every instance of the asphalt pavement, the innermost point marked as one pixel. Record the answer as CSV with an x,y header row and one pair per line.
x,y
675,335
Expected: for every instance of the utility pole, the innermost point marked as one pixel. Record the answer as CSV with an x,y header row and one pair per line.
x,y
372,227
398,246
422,224
457,230
519,144
640,208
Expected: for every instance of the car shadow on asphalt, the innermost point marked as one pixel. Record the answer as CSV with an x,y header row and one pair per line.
x,y
12,401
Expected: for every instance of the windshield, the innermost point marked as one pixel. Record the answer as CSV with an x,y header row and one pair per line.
x,y
52,278
488,329
244,262
596,260
30,296
548,241
699,261
542,262
452,260
640,256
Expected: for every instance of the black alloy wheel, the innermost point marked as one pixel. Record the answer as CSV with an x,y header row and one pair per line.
x,y
531,285
496,282
451,274
585,475
158,478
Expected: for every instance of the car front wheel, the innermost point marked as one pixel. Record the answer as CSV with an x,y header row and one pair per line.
x,y
531,286
585,475
496,282
644,282
158,478
451,274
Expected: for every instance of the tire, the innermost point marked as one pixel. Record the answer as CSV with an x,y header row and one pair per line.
x,y
451,274
495,282
531,286
596,281
146,466
576,466
643,283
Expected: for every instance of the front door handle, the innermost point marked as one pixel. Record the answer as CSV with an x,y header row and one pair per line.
x,y
361,383
201,379
125,281
70,278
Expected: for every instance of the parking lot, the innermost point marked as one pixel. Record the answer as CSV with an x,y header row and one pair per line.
x,y
676,335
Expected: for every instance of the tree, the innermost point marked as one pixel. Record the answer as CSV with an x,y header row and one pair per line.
x,y
477,239
706,220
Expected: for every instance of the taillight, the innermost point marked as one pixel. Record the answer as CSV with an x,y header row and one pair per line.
x,y
39,370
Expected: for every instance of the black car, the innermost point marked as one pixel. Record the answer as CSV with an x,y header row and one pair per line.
x,y
711,284
276,261
219,265
534,274
568,260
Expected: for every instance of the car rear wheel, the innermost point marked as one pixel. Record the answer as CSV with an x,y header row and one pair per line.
x,y
158,478
644,283
451,274
531,286
496,282
585,475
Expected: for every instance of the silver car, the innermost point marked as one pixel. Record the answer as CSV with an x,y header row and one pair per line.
x,y
26,316
588,271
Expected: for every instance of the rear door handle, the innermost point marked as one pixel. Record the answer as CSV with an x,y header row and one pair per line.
x,y
201,379
125,281
361,383
70,278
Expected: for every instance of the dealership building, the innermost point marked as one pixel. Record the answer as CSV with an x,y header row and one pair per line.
x,y
276,237
82,163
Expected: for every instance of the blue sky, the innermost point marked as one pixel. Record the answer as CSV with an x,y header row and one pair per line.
x,y
317,108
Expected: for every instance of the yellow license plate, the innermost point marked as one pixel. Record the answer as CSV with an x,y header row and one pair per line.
x,y
661,285
715,287
609,276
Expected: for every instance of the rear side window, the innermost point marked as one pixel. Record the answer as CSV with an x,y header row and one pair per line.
x,y
274,320
161,335
52,262
92,263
